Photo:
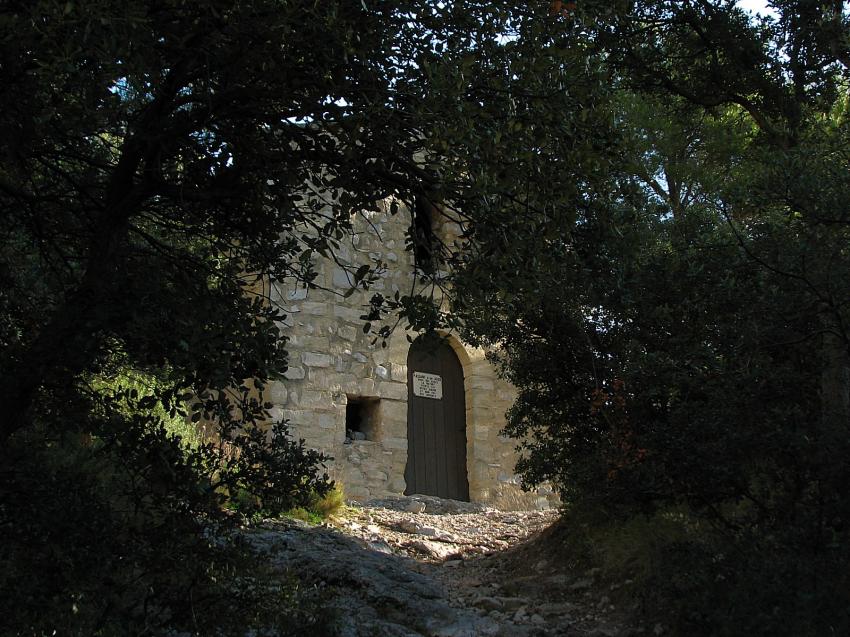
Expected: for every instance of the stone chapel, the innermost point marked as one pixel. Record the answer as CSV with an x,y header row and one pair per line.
x,y
408,418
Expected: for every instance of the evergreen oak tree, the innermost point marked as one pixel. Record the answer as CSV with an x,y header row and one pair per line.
x,y
160,163
679,335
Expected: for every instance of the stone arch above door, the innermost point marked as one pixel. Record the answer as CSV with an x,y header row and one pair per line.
x,y
436,423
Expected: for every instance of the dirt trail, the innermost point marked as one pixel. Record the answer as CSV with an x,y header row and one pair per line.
x,y
421,566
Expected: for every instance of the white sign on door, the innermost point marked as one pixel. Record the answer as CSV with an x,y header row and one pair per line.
x,y
427,385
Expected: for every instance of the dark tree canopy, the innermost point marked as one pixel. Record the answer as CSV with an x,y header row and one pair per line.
x,y
160,162
653,200
679,335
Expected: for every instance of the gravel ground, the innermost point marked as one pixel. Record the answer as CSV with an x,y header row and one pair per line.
x,y
421,566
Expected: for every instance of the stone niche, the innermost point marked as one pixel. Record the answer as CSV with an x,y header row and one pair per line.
x,y
348,397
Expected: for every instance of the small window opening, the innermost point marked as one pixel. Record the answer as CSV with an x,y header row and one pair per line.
x,y
424,241
362,418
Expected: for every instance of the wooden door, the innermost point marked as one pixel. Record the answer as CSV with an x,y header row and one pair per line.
x,y
436,422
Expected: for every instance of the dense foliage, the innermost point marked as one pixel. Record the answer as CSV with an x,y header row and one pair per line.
x,y
679,334
652,199
161,162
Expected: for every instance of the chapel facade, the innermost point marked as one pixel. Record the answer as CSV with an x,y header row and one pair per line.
x,y
413,416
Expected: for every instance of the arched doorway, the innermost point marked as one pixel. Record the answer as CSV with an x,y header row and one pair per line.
x,y
436,422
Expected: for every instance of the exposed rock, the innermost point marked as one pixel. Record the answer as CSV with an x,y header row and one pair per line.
x,y
408,526
512,603
434,549
415,506
557,608
488,603
382,572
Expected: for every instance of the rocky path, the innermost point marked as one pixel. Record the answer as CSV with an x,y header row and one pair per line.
x,y
421,566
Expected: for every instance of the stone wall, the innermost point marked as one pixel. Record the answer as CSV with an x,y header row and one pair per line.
x,y
332,363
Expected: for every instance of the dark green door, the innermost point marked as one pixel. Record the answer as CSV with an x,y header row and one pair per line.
x,y
436,422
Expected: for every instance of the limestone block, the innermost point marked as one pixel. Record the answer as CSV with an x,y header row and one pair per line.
x,y
397,354
297,417
394,443
341,383
394,428
481,471
310,397
342,278
367,387
328,420
394,411
349,313
397,485
382,372
298,294
490,424
479,382
276,393
319,442
347,332
314,308
392,391
359,357
294,373
350,385
350,453
316,359
353,476
358,493
343,253
398,371
315,343
481,399
484,450
377,476
479,366
318,377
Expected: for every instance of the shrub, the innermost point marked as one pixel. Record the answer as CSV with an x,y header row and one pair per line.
x,y
305,515
331,503
121,533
